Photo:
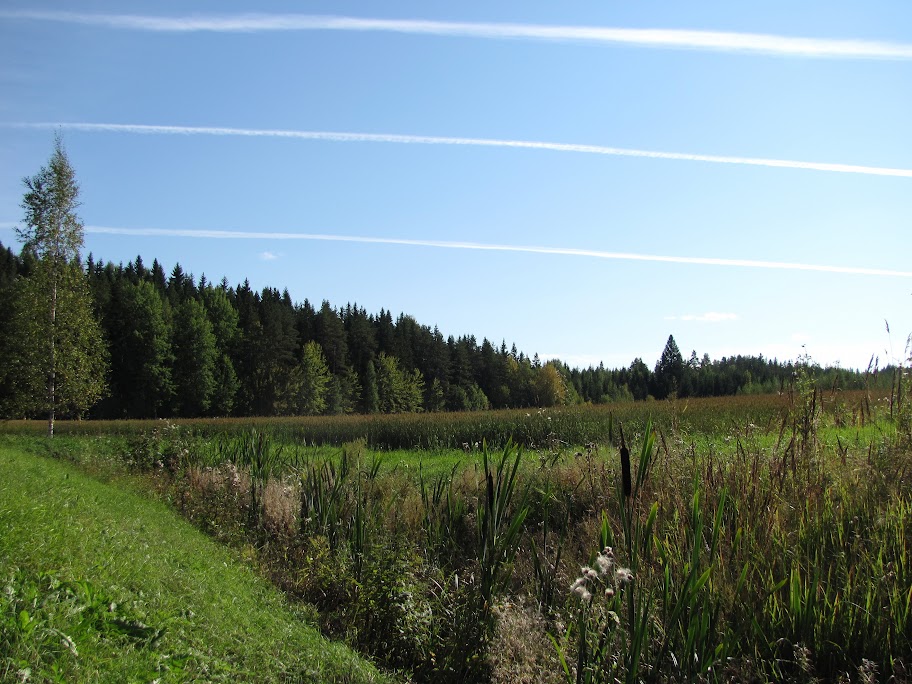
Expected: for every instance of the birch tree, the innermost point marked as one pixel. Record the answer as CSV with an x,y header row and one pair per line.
x,y
62,361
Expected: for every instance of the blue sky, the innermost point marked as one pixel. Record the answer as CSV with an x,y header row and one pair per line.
x,y
245,140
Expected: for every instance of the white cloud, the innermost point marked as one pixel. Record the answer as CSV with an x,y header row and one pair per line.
x,y
441,244
718,41
268,256
708,317
474,142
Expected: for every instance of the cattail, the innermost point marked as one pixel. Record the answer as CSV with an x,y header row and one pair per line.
x,y
625,466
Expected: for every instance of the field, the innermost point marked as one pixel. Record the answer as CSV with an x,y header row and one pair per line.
x,y
749,538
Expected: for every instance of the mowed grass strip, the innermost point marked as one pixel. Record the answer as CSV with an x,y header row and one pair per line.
x,y
99,583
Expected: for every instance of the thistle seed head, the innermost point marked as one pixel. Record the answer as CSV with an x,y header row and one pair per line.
x,y
623,577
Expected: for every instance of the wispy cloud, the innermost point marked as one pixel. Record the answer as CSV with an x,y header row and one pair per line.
x,y
332,136
658,38
708,317
480,246
441,244
268,256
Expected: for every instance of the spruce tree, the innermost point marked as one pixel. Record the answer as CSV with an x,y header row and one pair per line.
x,y
143,356
669,371
195,359
371,392
309,383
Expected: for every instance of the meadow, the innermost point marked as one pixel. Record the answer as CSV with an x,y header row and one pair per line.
x,y
101,584
740,539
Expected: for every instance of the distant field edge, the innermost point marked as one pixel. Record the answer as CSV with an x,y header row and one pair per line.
x,y
531,427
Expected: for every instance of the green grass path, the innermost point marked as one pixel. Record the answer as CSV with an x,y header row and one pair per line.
x,y
99,583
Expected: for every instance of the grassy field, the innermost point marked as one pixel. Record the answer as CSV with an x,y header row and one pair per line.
x,y
532,428
746,539
99,583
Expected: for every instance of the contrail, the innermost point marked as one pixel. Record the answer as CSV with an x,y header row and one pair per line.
x,y
756,43
441,244
332,136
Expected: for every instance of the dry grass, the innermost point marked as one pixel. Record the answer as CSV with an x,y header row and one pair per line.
x,y
520,652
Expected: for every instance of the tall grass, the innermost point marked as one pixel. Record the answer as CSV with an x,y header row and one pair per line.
x,y
499,522
733,540
539,429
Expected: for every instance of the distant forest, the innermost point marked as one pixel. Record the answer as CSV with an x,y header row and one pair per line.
x,y
181,347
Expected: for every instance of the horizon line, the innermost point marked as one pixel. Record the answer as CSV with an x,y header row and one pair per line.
x,y
716,41
396,138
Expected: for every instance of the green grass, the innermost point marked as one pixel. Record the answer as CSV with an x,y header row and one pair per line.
x,y
99,583
767,536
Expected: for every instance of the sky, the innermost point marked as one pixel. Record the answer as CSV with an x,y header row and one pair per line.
x,y
580,179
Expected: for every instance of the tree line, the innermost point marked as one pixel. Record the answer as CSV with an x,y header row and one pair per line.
x,y
178,346
91,338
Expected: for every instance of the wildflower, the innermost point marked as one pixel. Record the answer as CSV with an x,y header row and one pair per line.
x,y
579,586
603,563
583,593
623,577
609,593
